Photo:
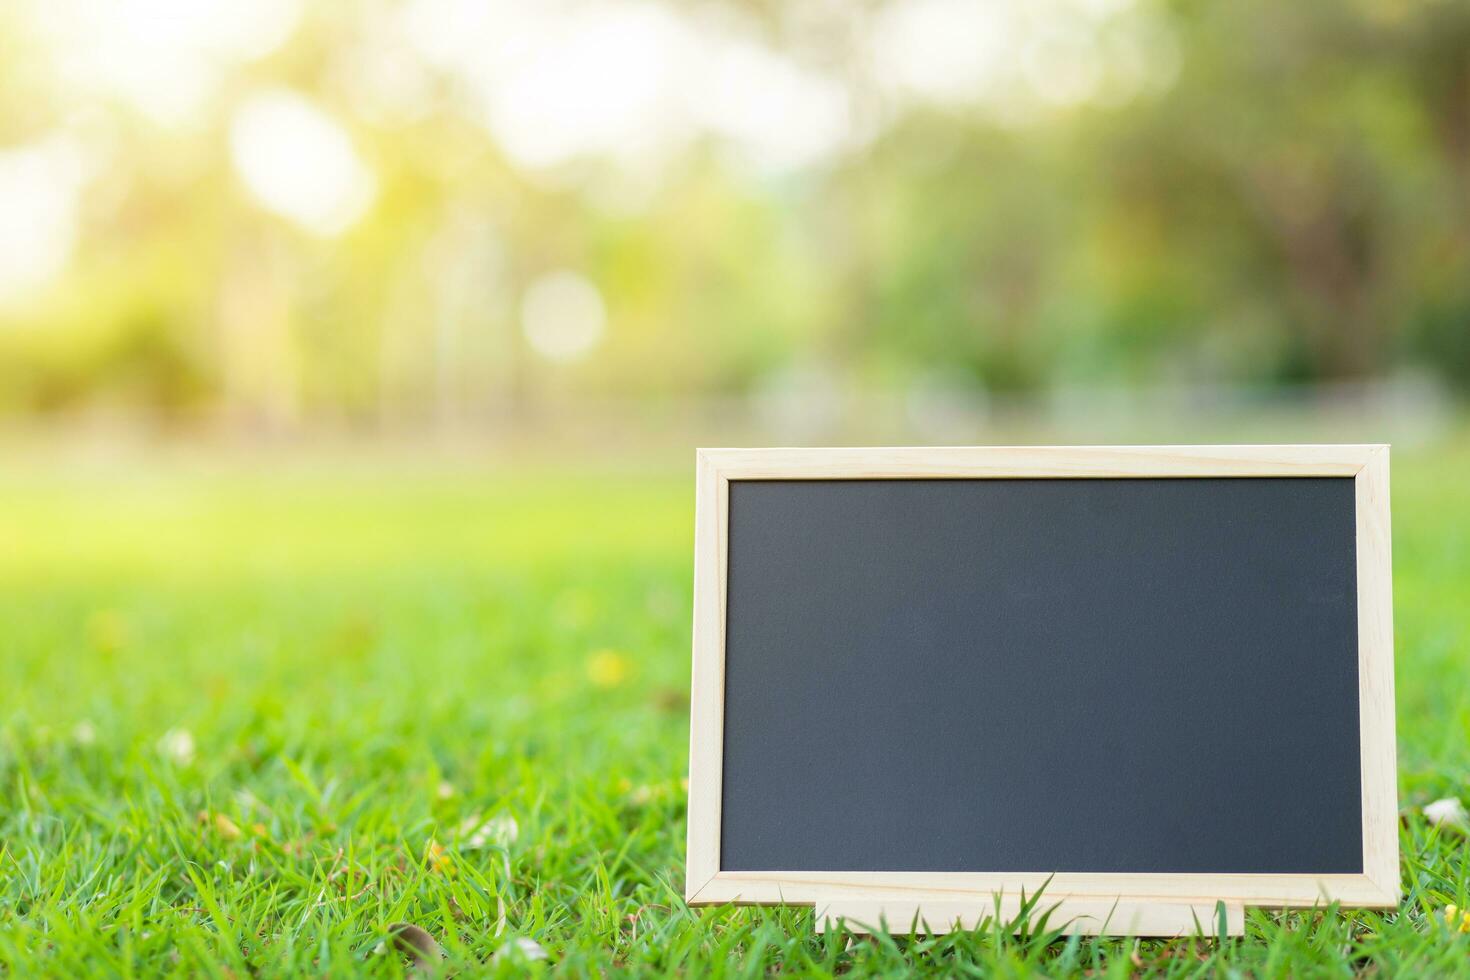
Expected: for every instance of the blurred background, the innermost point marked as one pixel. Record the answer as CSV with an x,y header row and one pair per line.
x,y
617,225
353,354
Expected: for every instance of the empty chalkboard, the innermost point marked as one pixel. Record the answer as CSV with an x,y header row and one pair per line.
x,y
1073,675
1170,667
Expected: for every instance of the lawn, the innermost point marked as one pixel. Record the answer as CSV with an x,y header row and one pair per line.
x,y
253,713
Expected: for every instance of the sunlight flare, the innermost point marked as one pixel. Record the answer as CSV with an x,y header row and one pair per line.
x,y
299,162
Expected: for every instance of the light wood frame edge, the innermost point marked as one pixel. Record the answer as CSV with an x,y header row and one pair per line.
x,y
1377,886
707,684
1375,676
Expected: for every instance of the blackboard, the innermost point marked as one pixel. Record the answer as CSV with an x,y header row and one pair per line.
x,y
1158,675
1072,675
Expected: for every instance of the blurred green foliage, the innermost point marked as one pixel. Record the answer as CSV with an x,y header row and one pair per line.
x,y
1284,198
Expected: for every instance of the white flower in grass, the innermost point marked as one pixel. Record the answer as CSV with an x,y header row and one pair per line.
x,y
177,745
84,733
1448,812
500,830
528,949
248,801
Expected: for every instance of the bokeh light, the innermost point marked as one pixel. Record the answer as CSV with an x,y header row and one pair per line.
x,y
39,185
298,162
165,58
563,316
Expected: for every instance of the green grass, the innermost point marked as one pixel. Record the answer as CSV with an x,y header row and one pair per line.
x,y
372,662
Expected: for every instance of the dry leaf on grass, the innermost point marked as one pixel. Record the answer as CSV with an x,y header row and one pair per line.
x,y
438,859
1457,920
221,824
416,943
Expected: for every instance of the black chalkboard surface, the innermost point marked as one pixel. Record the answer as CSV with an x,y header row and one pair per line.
x,y
1069,675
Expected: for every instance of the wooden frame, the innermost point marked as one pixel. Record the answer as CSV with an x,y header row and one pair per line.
x,y
1377,886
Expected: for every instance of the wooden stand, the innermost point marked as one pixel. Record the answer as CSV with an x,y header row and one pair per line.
x,y
1088,917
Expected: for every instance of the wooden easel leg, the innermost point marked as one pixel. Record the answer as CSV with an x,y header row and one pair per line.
x,y
1088,917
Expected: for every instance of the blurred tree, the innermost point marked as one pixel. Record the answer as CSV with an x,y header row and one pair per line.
x,y
340,220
